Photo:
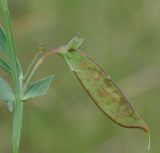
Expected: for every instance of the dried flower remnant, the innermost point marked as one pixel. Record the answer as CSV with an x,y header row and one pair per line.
x,y
104,92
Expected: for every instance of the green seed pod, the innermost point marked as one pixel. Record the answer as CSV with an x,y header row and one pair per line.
x,y
104,92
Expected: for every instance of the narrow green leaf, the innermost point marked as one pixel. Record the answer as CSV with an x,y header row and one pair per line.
x,y
6,94
38,88
5,50
20,74
103,90
2,40
5,66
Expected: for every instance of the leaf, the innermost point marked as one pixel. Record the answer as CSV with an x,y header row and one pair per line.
x,y
5,66
6,94
103,90
39,88
3,41
20,74
6,53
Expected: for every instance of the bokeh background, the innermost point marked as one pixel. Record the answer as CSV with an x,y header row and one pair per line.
x,y
124,38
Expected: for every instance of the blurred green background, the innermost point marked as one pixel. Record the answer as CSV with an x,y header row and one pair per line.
x,y
124,38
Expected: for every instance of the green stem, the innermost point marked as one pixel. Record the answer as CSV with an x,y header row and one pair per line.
x,y
17,124
18,106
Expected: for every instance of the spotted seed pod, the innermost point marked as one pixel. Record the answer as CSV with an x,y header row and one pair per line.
x,y
104,92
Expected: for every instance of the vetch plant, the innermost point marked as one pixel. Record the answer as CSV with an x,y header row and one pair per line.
x,y
98,84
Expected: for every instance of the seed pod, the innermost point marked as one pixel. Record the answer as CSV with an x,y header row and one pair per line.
x,y
104,92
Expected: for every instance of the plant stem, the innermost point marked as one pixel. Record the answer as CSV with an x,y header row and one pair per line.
x,y
17,124
18,106
38,63
36,57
